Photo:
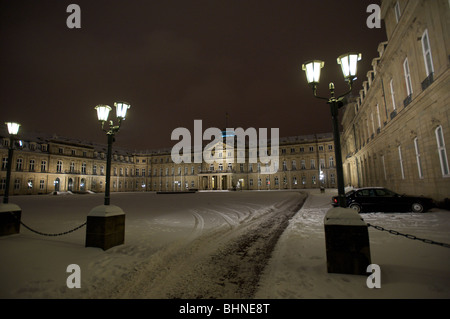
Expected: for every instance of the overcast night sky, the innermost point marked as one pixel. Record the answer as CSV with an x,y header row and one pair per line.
x,y
176,61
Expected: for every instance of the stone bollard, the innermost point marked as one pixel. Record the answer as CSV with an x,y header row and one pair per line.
x,y
105,227
10,215
347,242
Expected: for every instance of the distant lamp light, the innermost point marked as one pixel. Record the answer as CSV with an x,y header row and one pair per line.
x,y
349,64
13,128
312,70
103,112
121,109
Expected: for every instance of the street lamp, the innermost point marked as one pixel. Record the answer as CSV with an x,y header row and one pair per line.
x,y
13,130
105,225
102,115
10,214
312,69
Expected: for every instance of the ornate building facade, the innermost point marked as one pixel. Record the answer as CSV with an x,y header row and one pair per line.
x,y
396,133
43,165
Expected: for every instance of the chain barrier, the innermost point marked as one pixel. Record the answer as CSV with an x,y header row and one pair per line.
x,y
51,235
394,232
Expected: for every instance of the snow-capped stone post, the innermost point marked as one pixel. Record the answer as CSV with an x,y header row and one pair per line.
x,y
347,242
105,226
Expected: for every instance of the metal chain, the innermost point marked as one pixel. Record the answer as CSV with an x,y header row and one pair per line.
x,y
394,232
52,235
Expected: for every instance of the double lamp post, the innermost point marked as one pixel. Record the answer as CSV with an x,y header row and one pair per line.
x,y
312,69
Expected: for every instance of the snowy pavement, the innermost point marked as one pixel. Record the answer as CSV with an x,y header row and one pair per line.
x,y
409,268
171,240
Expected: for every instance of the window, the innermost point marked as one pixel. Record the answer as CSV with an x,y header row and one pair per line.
x,y
43,166
17,183
391,85
332,178
31,166
442,151
59,166
419,162
397,11
311,148
322,163
72,167
284,166
427,53
384,167
302,164
378,115
294,165
94,170
313,164
331,161
19,164
4,163
400,158
41,184
409,90
83,168
330,147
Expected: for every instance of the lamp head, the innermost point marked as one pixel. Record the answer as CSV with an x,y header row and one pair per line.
x,y
13,128
312,69
348,64
121,109
103,112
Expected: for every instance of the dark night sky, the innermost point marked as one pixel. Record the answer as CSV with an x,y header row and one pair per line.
x,y
176,61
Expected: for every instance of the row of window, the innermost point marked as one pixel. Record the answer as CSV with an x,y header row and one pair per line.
x,y
372,123
443,159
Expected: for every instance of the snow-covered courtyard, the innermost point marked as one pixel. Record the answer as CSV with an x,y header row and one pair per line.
x,y
250,244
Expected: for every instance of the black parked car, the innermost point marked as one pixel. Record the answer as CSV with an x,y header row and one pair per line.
x,y
379,199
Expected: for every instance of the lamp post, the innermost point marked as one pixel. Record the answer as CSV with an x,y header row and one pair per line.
x,y
102,114
106,223
13,129
10,214
312,69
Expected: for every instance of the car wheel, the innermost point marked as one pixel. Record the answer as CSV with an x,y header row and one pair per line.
x,y
356,207
417,207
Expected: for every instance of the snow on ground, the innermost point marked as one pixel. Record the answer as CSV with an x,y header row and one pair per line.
x,y
409,268
163,231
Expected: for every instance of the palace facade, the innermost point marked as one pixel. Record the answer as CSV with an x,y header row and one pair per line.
x,y
396,133
43,165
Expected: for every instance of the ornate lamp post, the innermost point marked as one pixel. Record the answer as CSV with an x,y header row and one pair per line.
x,y
346,234
106,223
13,129
312,69
102,114
10,214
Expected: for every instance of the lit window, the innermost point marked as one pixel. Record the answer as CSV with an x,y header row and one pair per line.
x,y
427,53
409,90
419,162
391,85
401,161
397,11
442,151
